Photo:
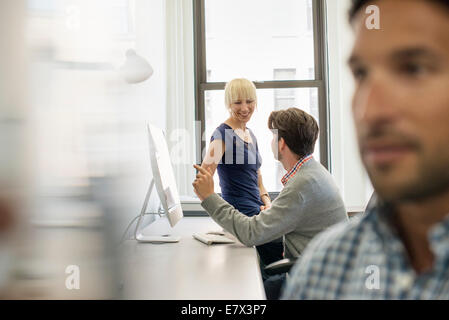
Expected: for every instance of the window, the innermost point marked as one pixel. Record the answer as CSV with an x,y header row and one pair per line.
x,y
284,98
277,44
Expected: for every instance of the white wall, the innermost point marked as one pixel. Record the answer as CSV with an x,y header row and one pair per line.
x,y
347,168
141,104
89,125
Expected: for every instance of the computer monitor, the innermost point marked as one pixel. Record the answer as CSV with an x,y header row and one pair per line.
x,y
165,182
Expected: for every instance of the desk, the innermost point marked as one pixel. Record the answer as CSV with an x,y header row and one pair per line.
x,y
190,269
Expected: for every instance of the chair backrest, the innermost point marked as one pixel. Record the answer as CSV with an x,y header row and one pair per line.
x,y
359,211
371,202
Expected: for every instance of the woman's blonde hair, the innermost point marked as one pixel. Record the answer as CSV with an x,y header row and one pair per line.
x,y
239,89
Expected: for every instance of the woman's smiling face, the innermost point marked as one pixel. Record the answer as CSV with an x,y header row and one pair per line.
x,y
241,99
243,109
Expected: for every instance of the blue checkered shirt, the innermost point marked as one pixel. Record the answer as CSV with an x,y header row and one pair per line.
x,y
365,259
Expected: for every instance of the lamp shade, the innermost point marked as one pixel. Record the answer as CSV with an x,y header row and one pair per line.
x,y
135,69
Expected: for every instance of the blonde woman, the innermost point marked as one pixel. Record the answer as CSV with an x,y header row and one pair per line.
x,y
234,153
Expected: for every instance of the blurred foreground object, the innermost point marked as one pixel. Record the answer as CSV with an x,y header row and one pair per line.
x,y
56,228
12,118
6,216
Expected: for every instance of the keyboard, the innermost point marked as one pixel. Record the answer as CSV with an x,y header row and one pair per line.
x,y
209,238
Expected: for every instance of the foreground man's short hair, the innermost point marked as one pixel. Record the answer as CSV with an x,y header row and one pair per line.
x,y
359,4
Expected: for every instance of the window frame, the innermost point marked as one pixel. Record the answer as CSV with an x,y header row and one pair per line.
x,y
320,82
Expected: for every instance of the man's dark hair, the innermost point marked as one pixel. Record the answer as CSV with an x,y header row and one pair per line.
x,y
298,128
359,4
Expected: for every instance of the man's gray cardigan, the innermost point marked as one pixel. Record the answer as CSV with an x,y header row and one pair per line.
x,y
308,204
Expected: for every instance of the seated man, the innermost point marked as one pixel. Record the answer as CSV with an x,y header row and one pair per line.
x,y
309,202
400,247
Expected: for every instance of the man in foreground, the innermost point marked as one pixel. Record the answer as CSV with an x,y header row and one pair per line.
x,y
400,248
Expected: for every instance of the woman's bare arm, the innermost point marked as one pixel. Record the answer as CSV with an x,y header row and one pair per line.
x,y
263,192
213,155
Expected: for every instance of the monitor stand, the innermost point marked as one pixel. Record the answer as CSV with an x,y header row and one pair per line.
x,y
158,239
156,232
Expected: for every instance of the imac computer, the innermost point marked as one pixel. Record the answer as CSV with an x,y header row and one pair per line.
x,y
164,180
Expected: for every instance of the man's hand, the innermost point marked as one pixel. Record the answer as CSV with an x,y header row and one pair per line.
x,y
203,185
265,207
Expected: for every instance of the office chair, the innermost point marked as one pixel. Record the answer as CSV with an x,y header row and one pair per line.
x,y
279,267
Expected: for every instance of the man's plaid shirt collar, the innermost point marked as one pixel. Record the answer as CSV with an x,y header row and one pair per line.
x,y
295,169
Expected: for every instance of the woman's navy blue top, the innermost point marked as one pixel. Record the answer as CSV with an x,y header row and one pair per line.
x,y
238,170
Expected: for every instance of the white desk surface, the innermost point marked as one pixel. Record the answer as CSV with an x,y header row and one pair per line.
x,y
190,269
